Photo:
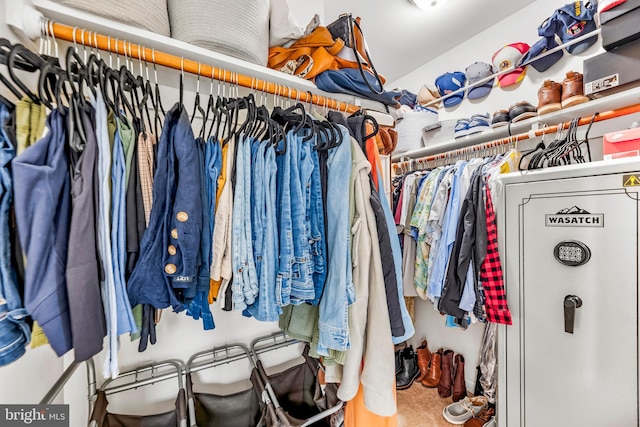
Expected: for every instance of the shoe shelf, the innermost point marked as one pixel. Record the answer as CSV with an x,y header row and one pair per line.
x,y
522,129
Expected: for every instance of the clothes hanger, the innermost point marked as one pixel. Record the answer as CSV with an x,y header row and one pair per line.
x,y
25,54
196,105
540,146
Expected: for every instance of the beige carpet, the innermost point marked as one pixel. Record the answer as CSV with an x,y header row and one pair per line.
x,y
419,406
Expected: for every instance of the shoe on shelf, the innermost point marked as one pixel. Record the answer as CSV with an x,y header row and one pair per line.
x,y
459,390
500,118
462,411
482,419
446,378
435,371
549,97
479,123
573,90
521,111
461,129
424,358
409,371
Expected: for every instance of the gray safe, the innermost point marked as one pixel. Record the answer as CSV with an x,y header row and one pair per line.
x,y
569,248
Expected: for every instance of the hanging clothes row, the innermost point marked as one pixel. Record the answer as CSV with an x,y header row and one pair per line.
x,y
445,218
122,210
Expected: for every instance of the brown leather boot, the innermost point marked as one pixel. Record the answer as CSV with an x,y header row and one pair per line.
x,y
573,90
459,387
549,97
446,379
432,378
424,357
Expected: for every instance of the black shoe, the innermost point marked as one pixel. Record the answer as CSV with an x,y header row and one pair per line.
x,y
409,370
521,111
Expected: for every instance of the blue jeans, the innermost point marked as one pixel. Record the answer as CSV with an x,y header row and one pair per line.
x,y
244,287
301,272
339,292
316,226
14,331
283,196
266,307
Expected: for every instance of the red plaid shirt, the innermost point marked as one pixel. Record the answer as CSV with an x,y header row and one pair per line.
x,y
491,273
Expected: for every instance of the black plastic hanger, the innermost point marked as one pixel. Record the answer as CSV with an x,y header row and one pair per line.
x,y
11,64
538,148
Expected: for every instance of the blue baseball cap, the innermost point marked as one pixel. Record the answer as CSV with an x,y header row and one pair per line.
x,y
451,82
538,48
569,22
476,72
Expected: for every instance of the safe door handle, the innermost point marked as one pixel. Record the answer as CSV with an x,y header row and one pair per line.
x,y
571,302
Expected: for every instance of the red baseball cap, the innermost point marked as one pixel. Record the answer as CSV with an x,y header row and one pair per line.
x,y
507,57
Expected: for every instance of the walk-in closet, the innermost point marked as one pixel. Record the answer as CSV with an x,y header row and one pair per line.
x,y
286,213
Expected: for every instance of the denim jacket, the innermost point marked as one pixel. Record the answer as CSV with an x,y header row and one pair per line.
x,y
339,292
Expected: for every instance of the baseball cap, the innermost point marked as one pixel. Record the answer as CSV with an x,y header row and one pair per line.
x,y
476,72
510,56
450,82
539,47
428,94
574,20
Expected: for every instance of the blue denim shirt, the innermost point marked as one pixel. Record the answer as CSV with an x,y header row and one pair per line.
x,y
448,236
15,333
264,218
339,291
125,321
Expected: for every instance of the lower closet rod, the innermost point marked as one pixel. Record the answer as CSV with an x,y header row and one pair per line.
x,y
130,49
607,115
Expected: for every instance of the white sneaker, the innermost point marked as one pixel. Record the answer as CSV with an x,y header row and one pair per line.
x,y
459,412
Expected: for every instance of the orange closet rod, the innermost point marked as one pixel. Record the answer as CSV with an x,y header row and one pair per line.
x,y
118,46
612,114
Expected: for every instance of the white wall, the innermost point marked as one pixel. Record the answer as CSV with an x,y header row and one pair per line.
x,y
304,10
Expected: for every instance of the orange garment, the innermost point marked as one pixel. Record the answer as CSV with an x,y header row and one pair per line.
x,y
373,155
214,285
357,415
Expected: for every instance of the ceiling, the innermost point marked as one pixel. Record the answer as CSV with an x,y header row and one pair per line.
x,y
402,37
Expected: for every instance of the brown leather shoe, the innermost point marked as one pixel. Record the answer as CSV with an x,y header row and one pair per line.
x,y
446,379
424,358
549,97
481,419
459,387
435,371
573,90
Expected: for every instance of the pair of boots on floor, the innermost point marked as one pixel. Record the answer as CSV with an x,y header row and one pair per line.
x,y
441,369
